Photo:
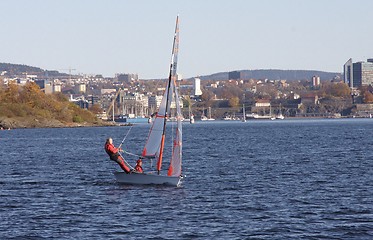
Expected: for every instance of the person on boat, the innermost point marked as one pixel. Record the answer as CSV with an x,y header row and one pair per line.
x,y
114,155
138,166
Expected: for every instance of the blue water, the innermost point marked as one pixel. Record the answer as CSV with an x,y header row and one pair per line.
x,y
290,179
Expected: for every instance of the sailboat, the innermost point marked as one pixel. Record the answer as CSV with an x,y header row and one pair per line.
x,y
155,144
191,116
209,113
203,116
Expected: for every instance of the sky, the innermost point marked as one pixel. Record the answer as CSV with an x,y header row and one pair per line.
x,y
135,36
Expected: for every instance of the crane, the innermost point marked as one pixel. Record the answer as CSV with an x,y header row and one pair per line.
x,y
68,69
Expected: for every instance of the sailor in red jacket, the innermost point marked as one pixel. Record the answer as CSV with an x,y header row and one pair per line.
x,y
113,153
138,166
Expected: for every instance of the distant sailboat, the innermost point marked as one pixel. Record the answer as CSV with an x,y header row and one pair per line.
x,y
280,116
191,116
155,145
209,113
203,116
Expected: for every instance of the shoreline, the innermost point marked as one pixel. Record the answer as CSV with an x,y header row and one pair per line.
x,y
28,123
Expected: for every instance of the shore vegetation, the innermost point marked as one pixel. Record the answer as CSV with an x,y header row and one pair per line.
x,y
25,105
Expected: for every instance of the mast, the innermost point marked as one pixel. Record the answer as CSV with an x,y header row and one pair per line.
x,y
172,75
113,111
244,113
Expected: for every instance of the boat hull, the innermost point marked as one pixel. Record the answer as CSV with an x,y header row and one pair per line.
x,y
147,179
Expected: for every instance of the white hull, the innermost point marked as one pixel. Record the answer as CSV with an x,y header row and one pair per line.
x,y
145,179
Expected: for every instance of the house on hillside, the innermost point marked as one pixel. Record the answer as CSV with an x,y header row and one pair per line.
x,y
310,98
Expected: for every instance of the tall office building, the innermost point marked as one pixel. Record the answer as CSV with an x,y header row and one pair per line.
x,y
358,74
363,73
348,73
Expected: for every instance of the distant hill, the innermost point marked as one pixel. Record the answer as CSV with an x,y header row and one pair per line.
x,y
275,74
272,74
18,69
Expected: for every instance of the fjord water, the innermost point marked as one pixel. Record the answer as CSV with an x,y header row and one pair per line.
x,y
289,179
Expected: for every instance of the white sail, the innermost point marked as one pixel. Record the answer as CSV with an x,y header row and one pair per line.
x,y
153,144
175,164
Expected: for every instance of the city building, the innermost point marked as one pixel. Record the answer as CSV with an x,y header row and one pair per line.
x,y
45,85
80,88
126,77
315,81
235,75
92,100
154,103
358,74
133,104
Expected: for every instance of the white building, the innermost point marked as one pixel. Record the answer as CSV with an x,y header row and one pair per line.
x,y
155,102
197,87
57,88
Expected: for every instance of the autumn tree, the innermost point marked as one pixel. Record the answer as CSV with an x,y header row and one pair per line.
x,y
335,90
367,97
96,109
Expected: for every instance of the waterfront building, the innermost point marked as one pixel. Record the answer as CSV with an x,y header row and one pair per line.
x,y
263,103
133,104
107,98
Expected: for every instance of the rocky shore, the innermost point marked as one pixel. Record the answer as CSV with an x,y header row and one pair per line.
x,y
32,122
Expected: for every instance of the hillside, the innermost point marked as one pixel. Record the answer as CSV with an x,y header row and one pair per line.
x,y
18,69
27,106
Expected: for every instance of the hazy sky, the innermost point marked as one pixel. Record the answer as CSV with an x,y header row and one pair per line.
x,y
119,36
